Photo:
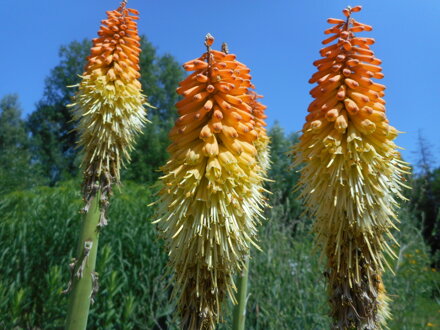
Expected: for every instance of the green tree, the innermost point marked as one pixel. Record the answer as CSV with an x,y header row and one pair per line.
x,y
50,124
425,197
160,77
285,206
16,171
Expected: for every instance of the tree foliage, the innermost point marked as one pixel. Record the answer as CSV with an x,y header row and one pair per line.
x,y
283,199
16,168
425,197
50,124
160,76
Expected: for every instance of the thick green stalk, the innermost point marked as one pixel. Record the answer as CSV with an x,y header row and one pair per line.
x,y
82,285
240,307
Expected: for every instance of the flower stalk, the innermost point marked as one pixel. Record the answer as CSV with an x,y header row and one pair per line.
x,y
85,277
239,317
110,110
351,174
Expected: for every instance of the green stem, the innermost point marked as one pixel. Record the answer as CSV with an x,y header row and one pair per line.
x,y
240,308
79,301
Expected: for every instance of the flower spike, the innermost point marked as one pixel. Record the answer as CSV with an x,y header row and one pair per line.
x,y
110,106
109,109
211,200
351,174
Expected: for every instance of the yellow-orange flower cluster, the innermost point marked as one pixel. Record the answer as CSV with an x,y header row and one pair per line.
x,y
351,173
109,105
212,185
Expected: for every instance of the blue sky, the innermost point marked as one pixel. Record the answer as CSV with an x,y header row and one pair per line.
x,y
277,39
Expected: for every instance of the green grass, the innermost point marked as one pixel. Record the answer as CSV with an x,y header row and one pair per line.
x,y
415,288
38,234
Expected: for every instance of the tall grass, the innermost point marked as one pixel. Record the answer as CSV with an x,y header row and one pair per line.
x,y
38,231
415,288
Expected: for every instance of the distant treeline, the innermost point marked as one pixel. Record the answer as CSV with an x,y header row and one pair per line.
x,y
41,149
